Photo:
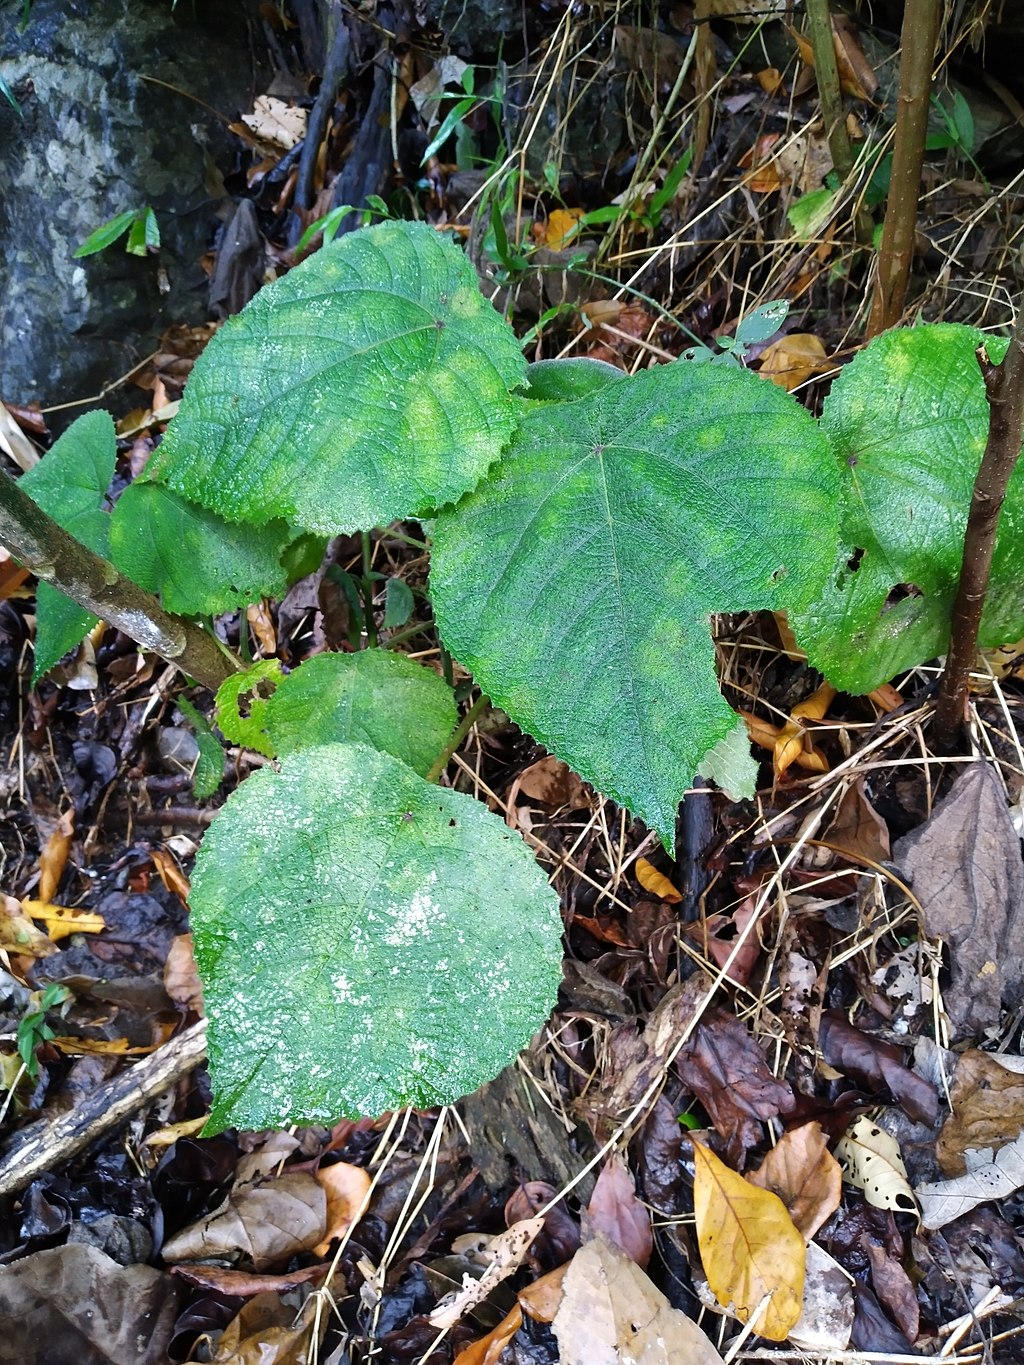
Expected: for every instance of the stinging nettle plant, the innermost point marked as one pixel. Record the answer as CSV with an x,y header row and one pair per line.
x,y
366,938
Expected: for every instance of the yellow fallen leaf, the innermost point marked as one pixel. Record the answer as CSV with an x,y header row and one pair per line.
x,y
656,882
62,921
18,934
753,1256
346,1188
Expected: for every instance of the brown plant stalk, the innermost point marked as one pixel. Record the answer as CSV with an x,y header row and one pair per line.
x,y
1004,388
918,38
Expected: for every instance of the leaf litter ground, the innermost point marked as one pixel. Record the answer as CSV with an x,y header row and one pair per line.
x,y
779,990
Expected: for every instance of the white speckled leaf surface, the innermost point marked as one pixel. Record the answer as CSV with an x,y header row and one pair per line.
x,y
366,940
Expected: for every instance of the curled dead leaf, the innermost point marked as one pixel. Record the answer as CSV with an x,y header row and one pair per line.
x,y
656,882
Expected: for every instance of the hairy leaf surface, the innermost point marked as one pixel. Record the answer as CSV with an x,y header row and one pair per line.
x,y
366,940
578,581
370,383
199,563
374,697
69,483
909,420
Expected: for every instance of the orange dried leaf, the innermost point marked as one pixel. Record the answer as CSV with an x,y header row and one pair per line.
x,y
805,1175
753,1256
346,1188
488,1349
262,623
886,698
770,80
561,229
815,707
181,976
170,873
656,882
541,1299
792,360
761,732
54,857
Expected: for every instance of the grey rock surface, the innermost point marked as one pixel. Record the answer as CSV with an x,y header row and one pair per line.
x,y
96,138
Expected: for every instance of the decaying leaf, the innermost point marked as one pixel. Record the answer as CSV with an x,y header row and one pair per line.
x,y
553,783
723,1066
17,932
987,1177
876,1065
347,1188
265,1332
964,864
827,1317
507,1251
263,1223
274,122
615,1211
612,1313
871,1160
753,1256
73,1303
805,1175
987,1098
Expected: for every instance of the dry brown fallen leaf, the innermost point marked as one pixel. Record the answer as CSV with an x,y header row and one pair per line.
x,y
347,1188
265,1224
805,1175
988,1109
611,1314
265,1332
616,1212
181,975
964,864
553,783
792,360
753,1256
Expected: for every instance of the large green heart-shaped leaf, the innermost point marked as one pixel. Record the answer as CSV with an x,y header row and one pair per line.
x,y
70,483
199,563
366,940
909,421
374,697
370,383
578,580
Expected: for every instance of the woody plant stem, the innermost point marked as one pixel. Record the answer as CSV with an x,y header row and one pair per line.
x,y
37,542
1004,388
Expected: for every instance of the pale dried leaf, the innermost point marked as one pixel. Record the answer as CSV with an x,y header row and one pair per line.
x,y
508,1250
986,1178
827,1318
611,1313
871,1161
273,121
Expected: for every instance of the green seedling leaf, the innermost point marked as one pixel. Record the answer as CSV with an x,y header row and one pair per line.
x,y
563,381
399,603
242,705
107,234
731,765
369,385
70,483
448,126
667,191
909,421
374,697
209,773
199,563
8,94
762,322
302,556
578,581
366,941
809,214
